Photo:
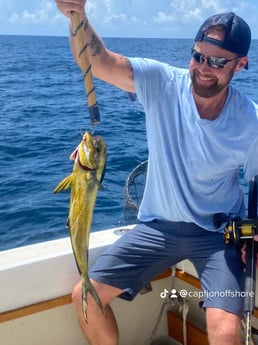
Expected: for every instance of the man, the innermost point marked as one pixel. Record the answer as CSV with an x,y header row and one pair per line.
x,y
200,129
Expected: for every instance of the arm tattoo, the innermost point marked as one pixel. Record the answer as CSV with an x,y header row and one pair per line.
x,y
86,24
96,45
129,65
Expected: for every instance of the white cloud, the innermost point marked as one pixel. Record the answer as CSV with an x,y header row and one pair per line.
x,y
171,18
26,17
45,13
158,16
163,17
187,15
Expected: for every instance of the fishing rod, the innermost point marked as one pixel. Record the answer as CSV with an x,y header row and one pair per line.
x,y
240,232
78,25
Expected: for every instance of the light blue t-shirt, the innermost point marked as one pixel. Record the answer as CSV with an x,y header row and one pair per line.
x,y
193,162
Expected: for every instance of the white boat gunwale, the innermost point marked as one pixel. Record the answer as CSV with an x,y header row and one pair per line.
x,y
27,272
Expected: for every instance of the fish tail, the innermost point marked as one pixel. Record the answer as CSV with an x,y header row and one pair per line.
x,y
88,287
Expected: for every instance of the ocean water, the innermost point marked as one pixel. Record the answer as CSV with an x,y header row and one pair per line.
x,y
43,115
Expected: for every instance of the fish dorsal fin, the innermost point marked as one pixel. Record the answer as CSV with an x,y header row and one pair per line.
x,y
64,184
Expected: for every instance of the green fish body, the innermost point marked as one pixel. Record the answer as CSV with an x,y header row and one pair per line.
x,y
88,171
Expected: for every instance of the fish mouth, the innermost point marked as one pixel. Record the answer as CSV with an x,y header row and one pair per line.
x,y
88,143
96,141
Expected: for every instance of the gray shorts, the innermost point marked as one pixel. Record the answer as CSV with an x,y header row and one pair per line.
x,y
150,248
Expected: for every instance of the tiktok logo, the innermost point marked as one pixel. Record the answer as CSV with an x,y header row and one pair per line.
x,y
165,293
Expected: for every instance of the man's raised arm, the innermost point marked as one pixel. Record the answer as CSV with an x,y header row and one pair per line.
x,y
106,65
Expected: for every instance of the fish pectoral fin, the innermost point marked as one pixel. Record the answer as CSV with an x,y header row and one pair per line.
x,y
103,173
101,187
64,184
68,222
98,183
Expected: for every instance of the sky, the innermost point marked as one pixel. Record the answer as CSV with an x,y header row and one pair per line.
x,y
123,18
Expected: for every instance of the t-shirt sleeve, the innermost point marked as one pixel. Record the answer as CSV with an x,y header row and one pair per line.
x,y
150,79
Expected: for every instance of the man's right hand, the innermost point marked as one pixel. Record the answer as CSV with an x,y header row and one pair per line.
x,y
68,6
243,252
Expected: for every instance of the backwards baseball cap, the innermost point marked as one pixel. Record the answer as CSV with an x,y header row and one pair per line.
x,y
237,33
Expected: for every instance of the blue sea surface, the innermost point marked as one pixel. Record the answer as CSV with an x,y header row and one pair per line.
x,y
43,115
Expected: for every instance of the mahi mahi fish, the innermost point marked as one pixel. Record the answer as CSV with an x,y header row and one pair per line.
x,y
88,171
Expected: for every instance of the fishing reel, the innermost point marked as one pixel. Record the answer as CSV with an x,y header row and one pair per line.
x,y
237,230
240,230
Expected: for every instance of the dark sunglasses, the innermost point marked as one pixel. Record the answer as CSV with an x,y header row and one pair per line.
x,y
213,61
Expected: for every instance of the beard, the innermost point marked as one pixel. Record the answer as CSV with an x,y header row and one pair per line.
x,y
209,90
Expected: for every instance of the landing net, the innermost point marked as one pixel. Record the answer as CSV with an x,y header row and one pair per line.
x,y
134,188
